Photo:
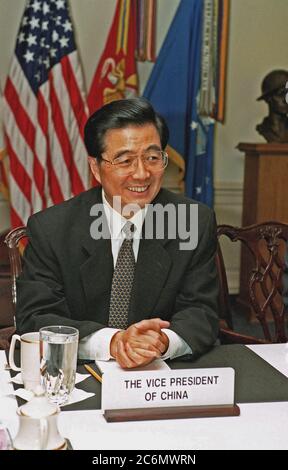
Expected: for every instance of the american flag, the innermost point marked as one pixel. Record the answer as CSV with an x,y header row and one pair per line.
x,y
44,112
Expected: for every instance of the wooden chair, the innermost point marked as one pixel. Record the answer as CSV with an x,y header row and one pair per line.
x,y
12,240
7,327
266,243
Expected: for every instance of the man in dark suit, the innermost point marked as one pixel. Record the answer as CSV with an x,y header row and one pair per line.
x,y
72,273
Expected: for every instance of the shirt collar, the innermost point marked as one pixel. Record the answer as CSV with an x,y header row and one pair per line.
x,y
116,221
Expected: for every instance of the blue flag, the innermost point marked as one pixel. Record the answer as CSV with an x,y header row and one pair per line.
x,y
173,89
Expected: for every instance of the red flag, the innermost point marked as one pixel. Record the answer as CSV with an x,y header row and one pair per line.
x,y
116,74
44,112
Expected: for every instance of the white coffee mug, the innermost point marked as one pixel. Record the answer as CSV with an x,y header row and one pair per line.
x,y
29,359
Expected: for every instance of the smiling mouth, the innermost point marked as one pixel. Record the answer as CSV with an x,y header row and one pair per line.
x,y
138,189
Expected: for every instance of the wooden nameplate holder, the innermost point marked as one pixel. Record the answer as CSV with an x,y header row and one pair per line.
x,y
173,412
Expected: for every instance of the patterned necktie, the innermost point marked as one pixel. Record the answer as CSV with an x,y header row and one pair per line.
x,y
122,281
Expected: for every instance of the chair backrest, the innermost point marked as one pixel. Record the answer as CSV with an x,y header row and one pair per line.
x,y
266,244
12,240
5,270
7,321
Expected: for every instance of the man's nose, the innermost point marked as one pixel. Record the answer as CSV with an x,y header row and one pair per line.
x,y
140,171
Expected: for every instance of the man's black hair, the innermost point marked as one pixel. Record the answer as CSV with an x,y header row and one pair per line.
x,y
117,115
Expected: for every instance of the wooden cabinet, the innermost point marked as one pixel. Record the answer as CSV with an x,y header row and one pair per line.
x,y
265,183
265,196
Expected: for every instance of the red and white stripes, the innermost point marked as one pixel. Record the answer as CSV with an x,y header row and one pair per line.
x,y
48,159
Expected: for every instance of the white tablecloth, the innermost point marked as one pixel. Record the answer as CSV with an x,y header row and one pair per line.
x,y
260,426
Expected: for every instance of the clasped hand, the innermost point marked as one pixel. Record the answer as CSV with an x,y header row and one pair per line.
x,y
140,343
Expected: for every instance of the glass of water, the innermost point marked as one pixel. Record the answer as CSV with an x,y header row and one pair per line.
x,y
58,356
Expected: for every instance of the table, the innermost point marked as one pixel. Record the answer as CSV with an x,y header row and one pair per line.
x,y
263,423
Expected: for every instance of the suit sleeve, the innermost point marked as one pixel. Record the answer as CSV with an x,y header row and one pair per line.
x,y
41,298
196,317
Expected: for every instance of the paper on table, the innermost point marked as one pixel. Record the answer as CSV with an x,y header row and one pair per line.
x,y
23,393
76,395
3,361
5,385
17,379
113,366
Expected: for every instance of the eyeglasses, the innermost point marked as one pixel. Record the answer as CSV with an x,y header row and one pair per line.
x,y
153,160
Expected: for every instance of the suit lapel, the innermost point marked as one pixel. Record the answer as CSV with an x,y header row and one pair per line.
x,y
152,268
97,269
96,273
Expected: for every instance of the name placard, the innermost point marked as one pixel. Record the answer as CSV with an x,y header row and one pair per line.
x,y
182,387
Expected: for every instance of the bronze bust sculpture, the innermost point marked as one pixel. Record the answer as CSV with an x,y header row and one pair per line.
x,y
274,127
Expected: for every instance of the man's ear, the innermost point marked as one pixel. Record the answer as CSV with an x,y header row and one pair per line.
x,y
94,167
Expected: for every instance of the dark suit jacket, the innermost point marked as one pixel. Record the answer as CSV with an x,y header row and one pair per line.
x,y
67,275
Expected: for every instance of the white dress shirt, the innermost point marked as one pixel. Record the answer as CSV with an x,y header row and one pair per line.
x,y
97,345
